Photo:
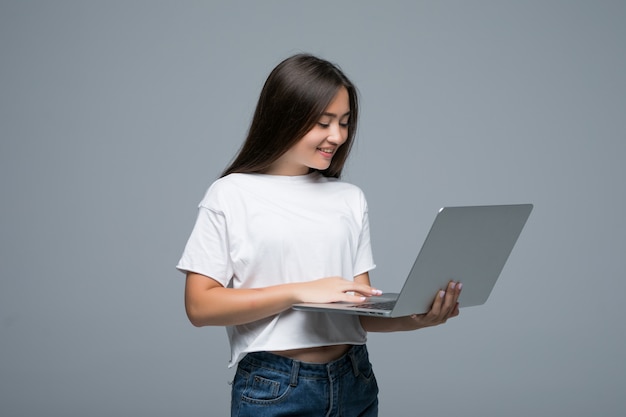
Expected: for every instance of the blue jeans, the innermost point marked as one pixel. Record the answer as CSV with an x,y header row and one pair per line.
x,y
271,385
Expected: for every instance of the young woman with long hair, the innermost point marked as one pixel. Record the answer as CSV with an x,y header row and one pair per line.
x,y
280,228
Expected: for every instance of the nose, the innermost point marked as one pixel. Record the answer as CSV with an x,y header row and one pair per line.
x,y
336,135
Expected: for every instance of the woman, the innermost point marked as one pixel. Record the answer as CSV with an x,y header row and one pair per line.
x,y
279,228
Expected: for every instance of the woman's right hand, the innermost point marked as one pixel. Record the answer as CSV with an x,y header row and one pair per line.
x,y
334,289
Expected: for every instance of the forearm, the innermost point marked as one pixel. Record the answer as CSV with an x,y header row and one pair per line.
x,y
385,325
208,303
221,306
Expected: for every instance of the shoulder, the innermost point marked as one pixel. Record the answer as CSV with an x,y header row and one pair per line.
x,y
223,189
345,187
229,182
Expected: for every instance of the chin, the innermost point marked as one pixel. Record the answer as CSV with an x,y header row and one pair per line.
x,y
320,167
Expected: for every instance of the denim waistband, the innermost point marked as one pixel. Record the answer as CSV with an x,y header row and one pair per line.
x,y
347,363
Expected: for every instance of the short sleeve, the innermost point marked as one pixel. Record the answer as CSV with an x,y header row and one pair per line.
x,y
207,250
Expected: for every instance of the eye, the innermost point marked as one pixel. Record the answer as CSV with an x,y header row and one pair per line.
x,y
323,125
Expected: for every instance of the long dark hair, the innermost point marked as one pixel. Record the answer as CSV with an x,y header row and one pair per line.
x,y
294,96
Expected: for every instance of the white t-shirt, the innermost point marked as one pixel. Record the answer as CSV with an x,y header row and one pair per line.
x,y
256,230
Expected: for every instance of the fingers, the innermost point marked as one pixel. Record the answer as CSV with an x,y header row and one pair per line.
x,y
351,298
446,302
368,291
360,292
445,306
333,289
451,298
359,288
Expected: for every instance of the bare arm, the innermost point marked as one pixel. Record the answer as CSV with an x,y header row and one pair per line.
x,y
445,306
208,303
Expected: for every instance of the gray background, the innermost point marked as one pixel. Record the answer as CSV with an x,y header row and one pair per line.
x,y
116,116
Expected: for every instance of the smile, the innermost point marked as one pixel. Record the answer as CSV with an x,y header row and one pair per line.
x,y
326,150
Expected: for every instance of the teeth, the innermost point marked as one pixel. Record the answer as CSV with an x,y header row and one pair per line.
x,y
327,150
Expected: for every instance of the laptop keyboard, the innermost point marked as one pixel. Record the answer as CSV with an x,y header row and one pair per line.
x,y
385,305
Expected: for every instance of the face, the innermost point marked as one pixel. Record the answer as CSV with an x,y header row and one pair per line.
x,y
317,147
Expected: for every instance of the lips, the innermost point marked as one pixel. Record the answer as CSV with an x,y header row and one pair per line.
x,y
328,152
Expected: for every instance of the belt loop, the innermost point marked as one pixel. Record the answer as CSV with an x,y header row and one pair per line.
x,y
295,370
354,360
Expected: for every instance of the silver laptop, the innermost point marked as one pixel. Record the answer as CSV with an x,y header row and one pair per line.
x,y
466,244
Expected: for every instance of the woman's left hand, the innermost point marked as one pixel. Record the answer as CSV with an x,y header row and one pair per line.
x,y
444,307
